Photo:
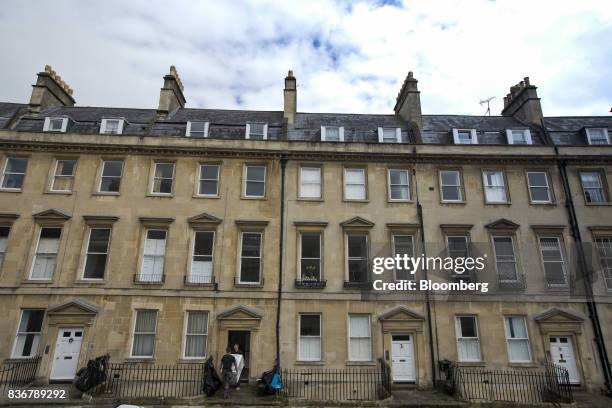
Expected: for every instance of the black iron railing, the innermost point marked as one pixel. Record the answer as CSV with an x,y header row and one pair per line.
x,y
18,373
310,283
549,383
351,383
143,380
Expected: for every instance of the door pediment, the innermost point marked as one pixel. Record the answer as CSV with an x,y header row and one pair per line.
x,y
73,307
240,318
401,319
559,315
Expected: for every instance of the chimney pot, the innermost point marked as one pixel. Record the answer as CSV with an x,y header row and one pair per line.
x,y
523,103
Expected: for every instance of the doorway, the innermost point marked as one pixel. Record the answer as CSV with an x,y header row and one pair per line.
x,y
402,358
562,353
67,352
243,339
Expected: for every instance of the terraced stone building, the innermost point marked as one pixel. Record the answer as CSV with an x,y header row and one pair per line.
x,y
163,235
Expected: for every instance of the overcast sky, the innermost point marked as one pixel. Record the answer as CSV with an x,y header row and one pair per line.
x,y
347,56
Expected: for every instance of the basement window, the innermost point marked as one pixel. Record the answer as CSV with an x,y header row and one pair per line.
x,y
112,126
465,136
55,124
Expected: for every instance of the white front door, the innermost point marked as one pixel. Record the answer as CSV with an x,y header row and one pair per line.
x,y
402,358
67,350
562,353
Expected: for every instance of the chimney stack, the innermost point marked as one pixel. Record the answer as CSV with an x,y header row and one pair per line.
x,y
290,98
49,91
171,95
522,102
408,105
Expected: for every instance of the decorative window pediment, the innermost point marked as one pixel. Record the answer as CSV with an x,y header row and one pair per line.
x,y
357,222
51,215
503,224
204,219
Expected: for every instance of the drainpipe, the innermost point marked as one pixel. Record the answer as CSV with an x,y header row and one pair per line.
x,y
427,294
283,164
583,268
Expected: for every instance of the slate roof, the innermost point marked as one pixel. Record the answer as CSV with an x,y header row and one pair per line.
x,y
231,124
569,130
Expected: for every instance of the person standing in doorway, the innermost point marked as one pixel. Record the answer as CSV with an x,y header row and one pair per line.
x,y
239,367
228,365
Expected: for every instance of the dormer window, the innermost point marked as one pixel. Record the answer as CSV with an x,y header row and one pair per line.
x,y
518,136
55,124
112,126
389,135
197,129
597,136
332,134
256,131
465,136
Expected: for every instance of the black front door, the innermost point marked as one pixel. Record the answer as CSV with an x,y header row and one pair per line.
x,y
243,339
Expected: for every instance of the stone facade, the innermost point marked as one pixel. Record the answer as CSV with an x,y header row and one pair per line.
x,y
105,309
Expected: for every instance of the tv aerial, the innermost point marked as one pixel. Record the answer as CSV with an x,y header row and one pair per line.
x,y
487,101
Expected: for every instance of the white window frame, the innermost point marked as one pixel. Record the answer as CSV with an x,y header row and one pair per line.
x,y
320,258
154,333
6,161
602,243
110,237
381,134
350,336
246,181
154,177
459,186
55,175
486,186
320,183
205,335
104,125
473,136
458,336
247,133
543,264
218,166
412,276
102,176
261,244
389,170
144,254
189,133
17,333
529,186
340,133
510,136
347,258
345,184
514,258
4,245
602,186
192,255
523,339
320,336
49,119
36,253
466,238
605,133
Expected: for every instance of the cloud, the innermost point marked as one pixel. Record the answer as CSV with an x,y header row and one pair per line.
x,y
347,56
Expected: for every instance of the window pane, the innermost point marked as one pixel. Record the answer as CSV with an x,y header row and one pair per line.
x,y
359,326
203,243
143,345
112,168
162,186
197,127
457,247
467,326
31,321
249,271
16,165
251,244
310,348
94,266
208,172
309,325
256,173
98,240
355,176
540,194
65,167
332,133
537,179
357,246
311,246
403,244
518,350
451,193
145,321
164,170
398,176
449,178
255,189
197,322
469,350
